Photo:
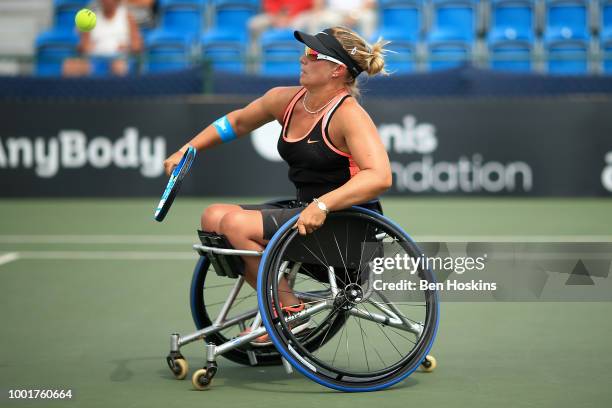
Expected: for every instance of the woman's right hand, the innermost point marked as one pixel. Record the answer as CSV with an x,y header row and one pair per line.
x,y
172,161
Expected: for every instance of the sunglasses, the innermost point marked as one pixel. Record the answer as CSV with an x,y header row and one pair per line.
x,y
313,55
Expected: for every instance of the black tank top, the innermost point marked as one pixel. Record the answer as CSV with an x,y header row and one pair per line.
x,y
316,166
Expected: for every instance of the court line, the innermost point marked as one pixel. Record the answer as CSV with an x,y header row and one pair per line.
x,y
191,239
109,255
8,258
98,239
512,238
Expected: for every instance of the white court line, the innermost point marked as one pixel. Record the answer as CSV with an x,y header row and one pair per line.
x,y
110,255
512,238
7,258
191,239
98,239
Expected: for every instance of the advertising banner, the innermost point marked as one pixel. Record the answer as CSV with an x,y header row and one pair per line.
x,y
522,147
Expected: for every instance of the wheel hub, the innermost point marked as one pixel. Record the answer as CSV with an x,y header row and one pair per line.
x,y
353,294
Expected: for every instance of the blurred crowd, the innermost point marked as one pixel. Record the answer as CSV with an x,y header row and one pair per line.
x,y
117,34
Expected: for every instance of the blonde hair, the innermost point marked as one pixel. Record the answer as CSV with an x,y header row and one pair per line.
x,y
370,58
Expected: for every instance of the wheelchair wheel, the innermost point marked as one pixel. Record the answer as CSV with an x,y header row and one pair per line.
x,y
208,294
385,333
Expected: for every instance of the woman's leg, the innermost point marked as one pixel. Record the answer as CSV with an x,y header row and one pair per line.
x,y
244,229
212,215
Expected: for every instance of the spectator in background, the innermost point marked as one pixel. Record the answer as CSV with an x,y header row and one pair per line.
x,y
144,12
115,37
277,14
359,15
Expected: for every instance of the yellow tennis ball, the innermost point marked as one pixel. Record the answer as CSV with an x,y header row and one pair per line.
x,y
85,20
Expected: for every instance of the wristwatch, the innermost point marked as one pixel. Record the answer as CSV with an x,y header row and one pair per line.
x,y
321,205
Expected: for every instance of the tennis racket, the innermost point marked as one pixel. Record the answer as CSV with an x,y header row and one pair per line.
x,y
174,184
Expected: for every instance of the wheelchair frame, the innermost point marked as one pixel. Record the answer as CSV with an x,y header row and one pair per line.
x,y
217,251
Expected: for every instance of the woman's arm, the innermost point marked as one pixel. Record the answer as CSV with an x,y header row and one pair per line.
x,y
136,43
85,44
243,121
368,151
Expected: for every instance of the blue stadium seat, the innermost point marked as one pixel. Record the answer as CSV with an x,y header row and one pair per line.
x,y
403,18
453,20
605,15
567,56
232,16
65,11
280,53
511,55
566,19
510,38
182,16
448,54
606,20
402,56
566,36
451,37
607,57
167,51
223,51
52,47
512,19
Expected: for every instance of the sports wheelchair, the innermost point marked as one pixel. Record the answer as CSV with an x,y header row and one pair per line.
x,y
359,338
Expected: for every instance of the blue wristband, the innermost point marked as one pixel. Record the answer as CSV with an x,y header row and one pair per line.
x,y
224,128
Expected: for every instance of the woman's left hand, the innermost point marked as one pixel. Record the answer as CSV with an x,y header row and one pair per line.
x,y
311,219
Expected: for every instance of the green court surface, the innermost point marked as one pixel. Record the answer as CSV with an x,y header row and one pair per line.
x,y
91,289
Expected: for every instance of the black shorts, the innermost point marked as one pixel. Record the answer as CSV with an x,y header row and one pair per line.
x,y
275,215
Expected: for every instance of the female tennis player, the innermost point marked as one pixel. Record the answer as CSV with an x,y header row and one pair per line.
x,y
335,155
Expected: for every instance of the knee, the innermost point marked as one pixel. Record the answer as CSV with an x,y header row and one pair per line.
x,y
234,225
211,217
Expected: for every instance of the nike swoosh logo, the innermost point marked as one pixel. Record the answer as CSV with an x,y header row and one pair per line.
x,y
312,141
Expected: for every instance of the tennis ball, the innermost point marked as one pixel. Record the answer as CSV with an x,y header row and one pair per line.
x,y
85,20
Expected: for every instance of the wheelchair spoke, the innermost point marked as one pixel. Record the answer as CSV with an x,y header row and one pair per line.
x,y
321,249
374,253
318,259
339,341
348,353
327,266
396,312
347,242
365,234
363,333
314,279
329,321
391,328
242,299
342,259
401,335
365,352
306,303
385,334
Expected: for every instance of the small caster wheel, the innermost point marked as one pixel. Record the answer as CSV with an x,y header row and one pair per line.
x,y
180,368
429,364
201,379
